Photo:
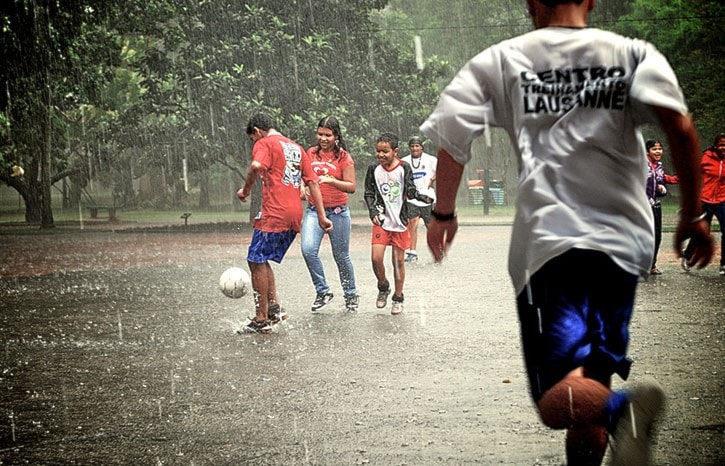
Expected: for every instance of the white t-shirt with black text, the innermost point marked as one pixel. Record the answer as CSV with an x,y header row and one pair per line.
x,y
572,101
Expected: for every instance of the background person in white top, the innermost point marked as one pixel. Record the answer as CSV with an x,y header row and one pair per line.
x,y
424,175
572,100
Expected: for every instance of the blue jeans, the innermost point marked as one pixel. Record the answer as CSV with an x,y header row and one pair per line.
x,y
312,236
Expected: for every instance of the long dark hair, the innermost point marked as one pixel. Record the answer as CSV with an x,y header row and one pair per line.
x,y
331,123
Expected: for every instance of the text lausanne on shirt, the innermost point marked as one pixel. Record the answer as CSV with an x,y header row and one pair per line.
x,y
561,89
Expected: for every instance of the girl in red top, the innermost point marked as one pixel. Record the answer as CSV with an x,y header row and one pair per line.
x,y
713,195
335,168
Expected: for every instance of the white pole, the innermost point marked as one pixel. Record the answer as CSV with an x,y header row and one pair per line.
x,y
185,166
418,53
80,213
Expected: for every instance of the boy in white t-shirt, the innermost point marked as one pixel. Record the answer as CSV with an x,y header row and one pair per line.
x,y
572,100
424,176
388,186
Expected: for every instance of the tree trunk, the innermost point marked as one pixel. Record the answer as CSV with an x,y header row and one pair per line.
x,y
46,207
74,192
204,202
32,198
125,195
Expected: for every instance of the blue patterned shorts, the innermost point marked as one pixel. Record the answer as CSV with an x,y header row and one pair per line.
x,y
269,246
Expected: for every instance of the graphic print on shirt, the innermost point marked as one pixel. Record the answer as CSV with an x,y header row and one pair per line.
x,y
558,90
390,185
419,174
321,168
391,191
293,159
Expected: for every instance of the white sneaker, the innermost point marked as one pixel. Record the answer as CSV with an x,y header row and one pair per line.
x,y
397,306
722,270
632,436
683,262
382,299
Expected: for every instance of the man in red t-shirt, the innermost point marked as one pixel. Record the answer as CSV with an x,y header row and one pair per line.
x,y
283,166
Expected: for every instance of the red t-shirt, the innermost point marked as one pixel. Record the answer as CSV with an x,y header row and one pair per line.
x,y
285,165
713,178
323,165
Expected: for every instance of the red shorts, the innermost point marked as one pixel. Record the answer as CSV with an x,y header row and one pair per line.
x,y
398,239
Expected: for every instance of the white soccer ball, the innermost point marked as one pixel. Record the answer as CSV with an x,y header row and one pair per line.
x,y
235,282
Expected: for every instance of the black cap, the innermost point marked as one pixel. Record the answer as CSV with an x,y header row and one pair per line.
x,y
414,140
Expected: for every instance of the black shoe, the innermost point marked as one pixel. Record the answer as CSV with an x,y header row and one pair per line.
x,y
351,303
256,326
321,301
276,314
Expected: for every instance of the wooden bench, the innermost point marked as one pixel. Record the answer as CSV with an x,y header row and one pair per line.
x,y
93,209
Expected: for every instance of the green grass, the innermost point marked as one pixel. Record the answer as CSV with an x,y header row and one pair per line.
x,y
218,215
135,215
11,212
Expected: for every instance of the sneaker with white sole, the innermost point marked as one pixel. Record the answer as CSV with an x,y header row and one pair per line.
x,y
411,256
321,301
351,303
684,264
276,314
383,292
631,440
397,306
722,270
256,326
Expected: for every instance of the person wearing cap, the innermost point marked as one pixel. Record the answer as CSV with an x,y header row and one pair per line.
x,y
424,175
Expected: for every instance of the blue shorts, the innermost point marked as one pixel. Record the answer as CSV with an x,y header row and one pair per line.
x,y
269,246
575,312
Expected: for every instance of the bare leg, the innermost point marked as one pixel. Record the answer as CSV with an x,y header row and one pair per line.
x,y
261,287
377,256
272,287
398,270
413,229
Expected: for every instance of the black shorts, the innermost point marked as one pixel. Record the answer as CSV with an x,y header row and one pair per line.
x,y
422,212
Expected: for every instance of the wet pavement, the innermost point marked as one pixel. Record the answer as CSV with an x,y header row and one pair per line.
x,y
119,348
